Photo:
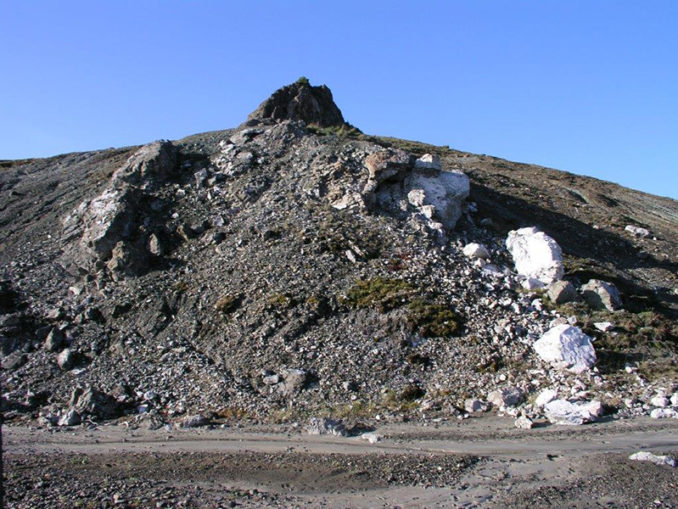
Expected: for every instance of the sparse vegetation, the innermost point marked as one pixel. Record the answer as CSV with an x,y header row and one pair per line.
x,y
380,293
431,319
228,303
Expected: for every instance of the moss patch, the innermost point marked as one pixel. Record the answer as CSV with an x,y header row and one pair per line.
x,y
380,293
431,319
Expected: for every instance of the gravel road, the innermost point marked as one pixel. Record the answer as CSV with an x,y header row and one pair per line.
x,y
476,463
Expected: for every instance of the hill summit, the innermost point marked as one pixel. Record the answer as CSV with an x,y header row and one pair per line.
x,y
301,101
282,270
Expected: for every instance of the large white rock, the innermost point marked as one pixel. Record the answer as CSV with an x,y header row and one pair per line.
x,y
562,411
545,396
653,458
440,195
566,347
535,255
664,413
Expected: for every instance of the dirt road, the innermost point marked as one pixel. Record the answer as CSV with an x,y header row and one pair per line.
x,y
482,462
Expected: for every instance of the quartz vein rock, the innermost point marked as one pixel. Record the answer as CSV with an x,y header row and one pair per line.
x,y
562,411
536,255
566,347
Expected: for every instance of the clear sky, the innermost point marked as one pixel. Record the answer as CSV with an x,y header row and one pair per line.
x,y
585,86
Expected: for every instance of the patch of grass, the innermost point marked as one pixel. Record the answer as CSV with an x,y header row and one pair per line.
x,y
232,413
380,293
344,130
280,301
431,319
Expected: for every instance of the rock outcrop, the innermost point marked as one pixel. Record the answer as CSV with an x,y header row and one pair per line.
x,y
301,101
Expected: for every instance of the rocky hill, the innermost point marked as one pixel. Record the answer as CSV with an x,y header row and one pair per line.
x,y
296,267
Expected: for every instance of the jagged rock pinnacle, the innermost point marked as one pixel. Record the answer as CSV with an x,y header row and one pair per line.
x,y
301,101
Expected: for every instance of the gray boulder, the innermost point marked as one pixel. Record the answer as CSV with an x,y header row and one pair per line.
x,y
509,396
98,404
67,359
561,292
70,418
601,295
322,426
195,421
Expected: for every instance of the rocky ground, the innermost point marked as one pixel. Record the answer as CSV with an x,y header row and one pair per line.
x,y
294,267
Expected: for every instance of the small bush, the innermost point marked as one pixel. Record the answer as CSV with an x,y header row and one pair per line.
x,y
228,303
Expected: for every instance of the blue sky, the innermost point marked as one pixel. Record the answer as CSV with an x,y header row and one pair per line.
x,y
589,87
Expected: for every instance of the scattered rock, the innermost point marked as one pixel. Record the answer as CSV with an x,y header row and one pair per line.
x,y
523,422
14,361
604,326
294,381
428,162
561,292
475,405
371,437
664,413
475,250
601,295
55,340
535,255
195,421
70,418
67,359
637,230
566,347
545,396
562,411
98,404
501,398
322,426
659,401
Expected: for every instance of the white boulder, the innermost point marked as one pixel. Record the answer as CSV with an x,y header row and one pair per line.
x,y
428,162
660,401
566,347
637,230
475,250
545,396
523,422
562,411
604,326
535,255
664,413
654,458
